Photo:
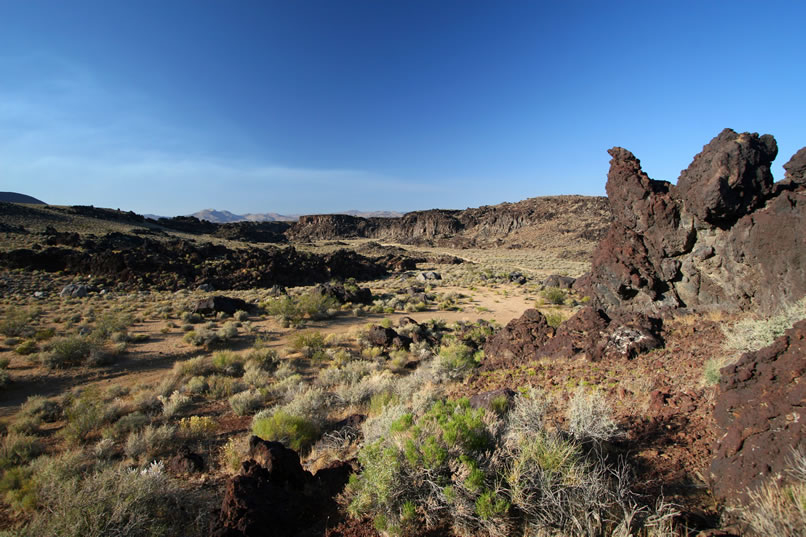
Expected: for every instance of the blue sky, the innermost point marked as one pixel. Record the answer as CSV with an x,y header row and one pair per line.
x,y
304,106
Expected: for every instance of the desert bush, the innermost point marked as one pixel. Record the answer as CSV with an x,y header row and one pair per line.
x,y
112,324
17,448
455,361
246,402
481,474
174,403
84,415
197,426
127,424
590,418
116,501
293,311
196,385
349,373
5,378
199,366
267,359
18,488
229,363
255,376
4,362
41,407
296,432
190,318
554,295
16,322
67,351
361,392
234,452
149,442
26,347
310,344
778,509
240,315
221,387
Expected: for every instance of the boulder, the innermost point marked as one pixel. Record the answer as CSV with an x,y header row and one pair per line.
x,y
344,293
221,304
74,290
485,399
274,496
429,276
379,336
518,340
761,411
562,282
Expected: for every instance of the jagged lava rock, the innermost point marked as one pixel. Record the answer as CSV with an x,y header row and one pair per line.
x,y
761,409
274,496
520,338
726,236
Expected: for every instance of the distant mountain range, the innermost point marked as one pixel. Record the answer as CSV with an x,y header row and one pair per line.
x,y
14,197
223,217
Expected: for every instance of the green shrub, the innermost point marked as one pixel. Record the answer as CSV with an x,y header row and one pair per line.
x,y
310,344
554,295
296,432
16,322
26,347
246,402
228,363
84,415
17,448
18,488
456,361
67,351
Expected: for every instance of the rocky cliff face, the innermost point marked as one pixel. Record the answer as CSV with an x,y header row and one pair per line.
x,y
580,218
726,235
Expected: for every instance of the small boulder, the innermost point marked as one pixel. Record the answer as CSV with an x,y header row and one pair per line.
x,y
381,337
561,282
218,303
429,276
75,290
518,340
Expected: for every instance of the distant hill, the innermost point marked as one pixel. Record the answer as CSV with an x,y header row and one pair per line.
x,y
226,217
14,197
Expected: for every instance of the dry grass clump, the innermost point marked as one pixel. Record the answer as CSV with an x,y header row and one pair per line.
x,y
780,509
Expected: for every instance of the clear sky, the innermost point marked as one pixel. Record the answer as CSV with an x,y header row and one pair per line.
x,y
302,106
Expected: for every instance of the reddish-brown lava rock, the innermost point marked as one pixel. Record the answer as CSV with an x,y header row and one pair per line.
x,y
725,236
520,338
761,409
274,496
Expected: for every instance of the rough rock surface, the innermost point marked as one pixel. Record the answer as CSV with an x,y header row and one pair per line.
x,y
724,236
590,331
520,338
274,496
761,409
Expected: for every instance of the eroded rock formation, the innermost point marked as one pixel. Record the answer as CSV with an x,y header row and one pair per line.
x,y
724,236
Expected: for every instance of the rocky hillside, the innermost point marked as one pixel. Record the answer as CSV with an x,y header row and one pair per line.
x,y
582,218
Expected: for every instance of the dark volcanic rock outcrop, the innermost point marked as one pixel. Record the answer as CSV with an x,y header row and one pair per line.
x,y
761,409
520,338
590,331
274,496
726,235
132,260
